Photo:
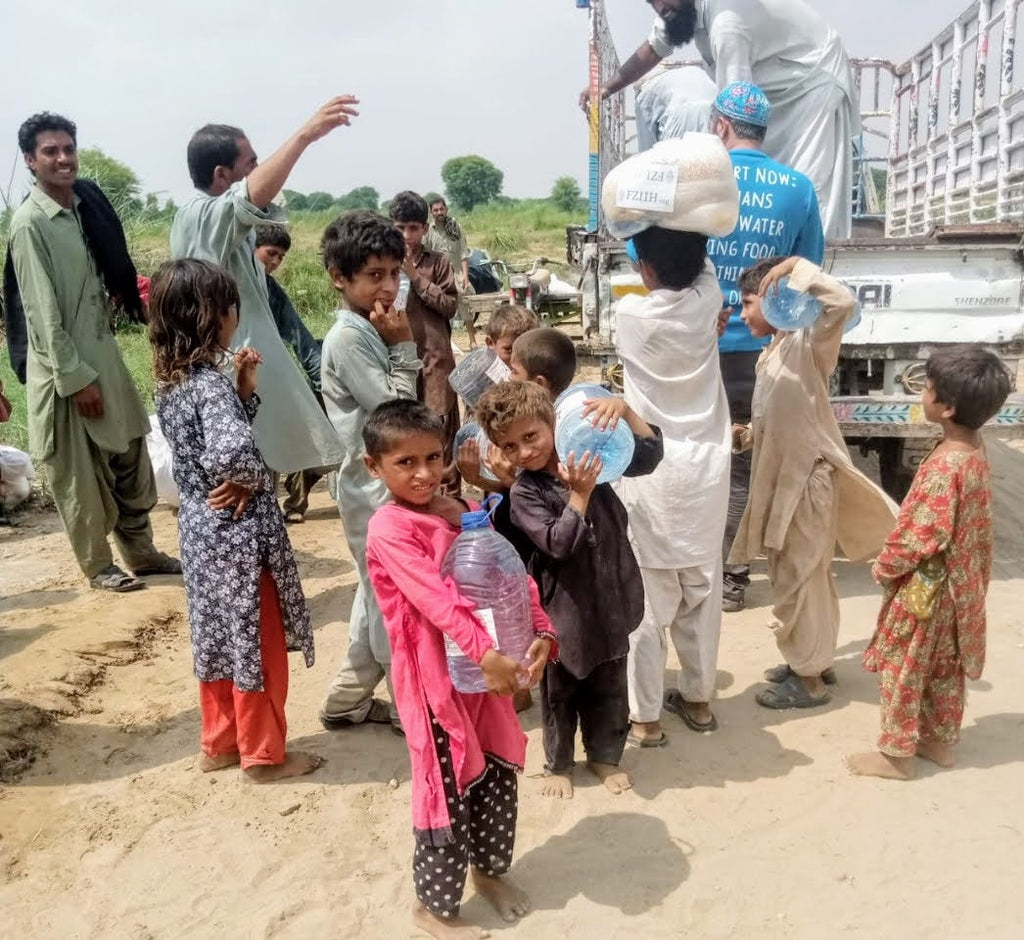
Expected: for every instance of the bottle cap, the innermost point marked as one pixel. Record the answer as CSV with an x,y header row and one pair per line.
x,y
481,518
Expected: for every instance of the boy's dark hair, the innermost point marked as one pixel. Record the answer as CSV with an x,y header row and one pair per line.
x,y
408,206
510,320
971,380
750,280
741,129
549,353
44,121
351,239
502,405
677,257
392,421
274,235
211,146
188,300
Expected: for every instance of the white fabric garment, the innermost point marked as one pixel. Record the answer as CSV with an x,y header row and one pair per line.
x,y
668,344
797,59
687,603
673,102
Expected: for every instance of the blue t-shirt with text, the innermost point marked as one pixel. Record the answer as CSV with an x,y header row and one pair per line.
x,y
778,216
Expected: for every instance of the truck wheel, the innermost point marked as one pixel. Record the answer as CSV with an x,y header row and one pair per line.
x,y
896,478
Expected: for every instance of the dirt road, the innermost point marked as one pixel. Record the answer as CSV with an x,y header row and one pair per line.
x,y
107,829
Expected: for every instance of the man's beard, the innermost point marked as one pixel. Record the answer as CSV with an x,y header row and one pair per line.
x,y
682,25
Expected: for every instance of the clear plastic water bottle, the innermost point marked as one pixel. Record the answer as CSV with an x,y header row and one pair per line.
x,y
402,297
577,435
488,571
789,310
472,431
479,370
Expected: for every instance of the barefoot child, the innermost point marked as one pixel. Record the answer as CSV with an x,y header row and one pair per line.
x,y
805,492
465,749
245,603
922,652
586,572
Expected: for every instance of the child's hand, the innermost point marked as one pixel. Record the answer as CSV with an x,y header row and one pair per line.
x,y
776,274
738,430
468,462
246,361
723,320
447,508
503,469
391,324
501,673
537,656
581,478
605,413
230,494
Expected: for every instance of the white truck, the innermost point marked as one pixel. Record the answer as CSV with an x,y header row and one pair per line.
x,y
938,259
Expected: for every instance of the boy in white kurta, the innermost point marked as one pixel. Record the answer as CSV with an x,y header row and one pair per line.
x,y
805,493
668,343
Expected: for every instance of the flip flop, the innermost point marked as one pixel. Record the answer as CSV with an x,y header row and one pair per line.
x,y
160,563
790,694
675,703
634,740
781,673
116,581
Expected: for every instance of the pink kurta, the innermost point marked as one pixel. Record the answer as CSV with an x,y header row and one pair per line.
x,y
404,551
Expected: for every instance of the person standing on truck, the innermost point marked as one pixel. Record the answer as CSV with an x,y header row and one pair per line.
x,y
778,217
671,102
784,47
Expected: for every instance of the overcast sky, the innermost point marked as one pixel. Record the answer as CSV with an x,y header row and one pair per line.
x,y
437,78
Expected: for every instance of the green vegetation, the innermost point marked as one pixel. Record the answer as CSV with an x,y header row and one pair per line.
x,y
470,182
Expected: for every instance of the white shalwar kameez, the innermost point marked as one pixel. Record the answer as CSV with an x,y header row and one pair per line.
x,y
671,102
668,343
797,59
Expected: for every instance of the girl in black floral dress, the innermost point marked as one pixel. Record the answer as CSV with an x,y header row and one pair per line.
x,y
245,603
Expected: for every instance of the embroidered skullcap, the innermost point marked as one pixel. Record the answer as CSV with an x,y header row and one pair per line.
x,y
743,101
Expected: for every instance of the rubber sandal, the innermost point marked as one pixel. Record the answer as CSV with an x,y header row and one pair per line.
x,y
157,565
634,740
675,703
294,517
781,673
790,694
116,581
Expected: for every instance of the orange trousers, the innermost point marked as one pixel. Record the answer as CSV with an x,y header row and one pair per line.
x,y
251,724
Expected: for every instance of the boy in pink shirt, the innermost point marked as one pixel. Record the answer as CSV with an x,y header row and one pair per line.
x,y
465,749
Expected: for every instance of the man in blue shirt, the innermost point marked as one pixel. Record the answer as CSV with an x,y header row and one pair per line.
x,y
779,217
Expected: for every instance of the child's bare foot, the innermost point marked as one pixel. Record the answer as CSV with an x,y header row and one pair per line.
x,y
209,764
453,928
877,764
296,764
942,754
509,901
611,775
557,786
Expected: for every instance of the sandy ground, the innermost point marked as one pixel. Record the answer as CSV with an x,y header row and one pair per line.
x,y
107,829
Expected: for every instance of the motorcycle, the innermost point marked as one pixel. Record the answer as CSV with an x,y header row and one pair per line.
x,y
528,282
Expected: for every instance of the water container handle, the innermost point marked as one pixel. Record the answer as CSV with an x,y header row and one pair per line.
x,y
481,518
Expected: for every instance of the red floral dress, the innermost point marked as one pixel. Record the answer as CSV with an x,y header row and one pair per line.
x,y
922,663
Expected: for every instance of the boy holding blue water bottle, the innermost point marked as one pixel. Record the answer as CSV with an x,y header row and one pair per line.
x,y
805,492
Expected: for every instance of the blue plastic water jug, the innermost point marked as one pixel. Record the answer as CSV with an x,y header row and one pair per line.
x,y
577,435
789,310
479,370
488,571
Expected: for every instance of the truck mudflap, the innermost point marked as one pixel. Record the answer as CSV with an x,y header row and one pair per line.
x,y
903,416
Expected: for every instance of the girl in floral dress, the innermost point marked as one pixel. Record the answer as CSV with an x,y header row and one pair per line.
x,y
934,572
245,603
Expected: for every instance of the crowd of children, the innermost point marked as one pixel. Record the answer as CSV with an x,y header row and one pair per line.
x,y
613,568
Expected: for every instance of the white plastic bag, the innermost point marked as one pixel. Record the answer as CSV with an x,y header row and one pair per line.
x,y
16,476
163,468
686,184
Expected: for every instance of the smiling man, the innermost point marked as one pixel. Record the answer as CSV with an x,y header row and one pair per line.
x,y
785,48
86,421
235,192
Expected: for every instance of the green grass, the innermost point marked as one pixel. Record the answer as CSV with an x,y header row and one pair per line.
x,y
517,231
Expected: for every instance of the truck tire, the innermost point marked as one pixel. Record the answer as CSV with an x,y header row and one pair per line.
x,y
895,476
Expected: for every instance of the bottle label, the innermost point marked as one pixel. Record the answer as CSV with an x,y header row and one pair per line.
x,y
498,372
485,616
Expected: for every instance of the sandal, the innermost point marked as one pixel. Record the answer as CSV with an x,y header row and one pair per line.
x,y
294,517
160,563
634,740
115,580
675,703
790,694
781,673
